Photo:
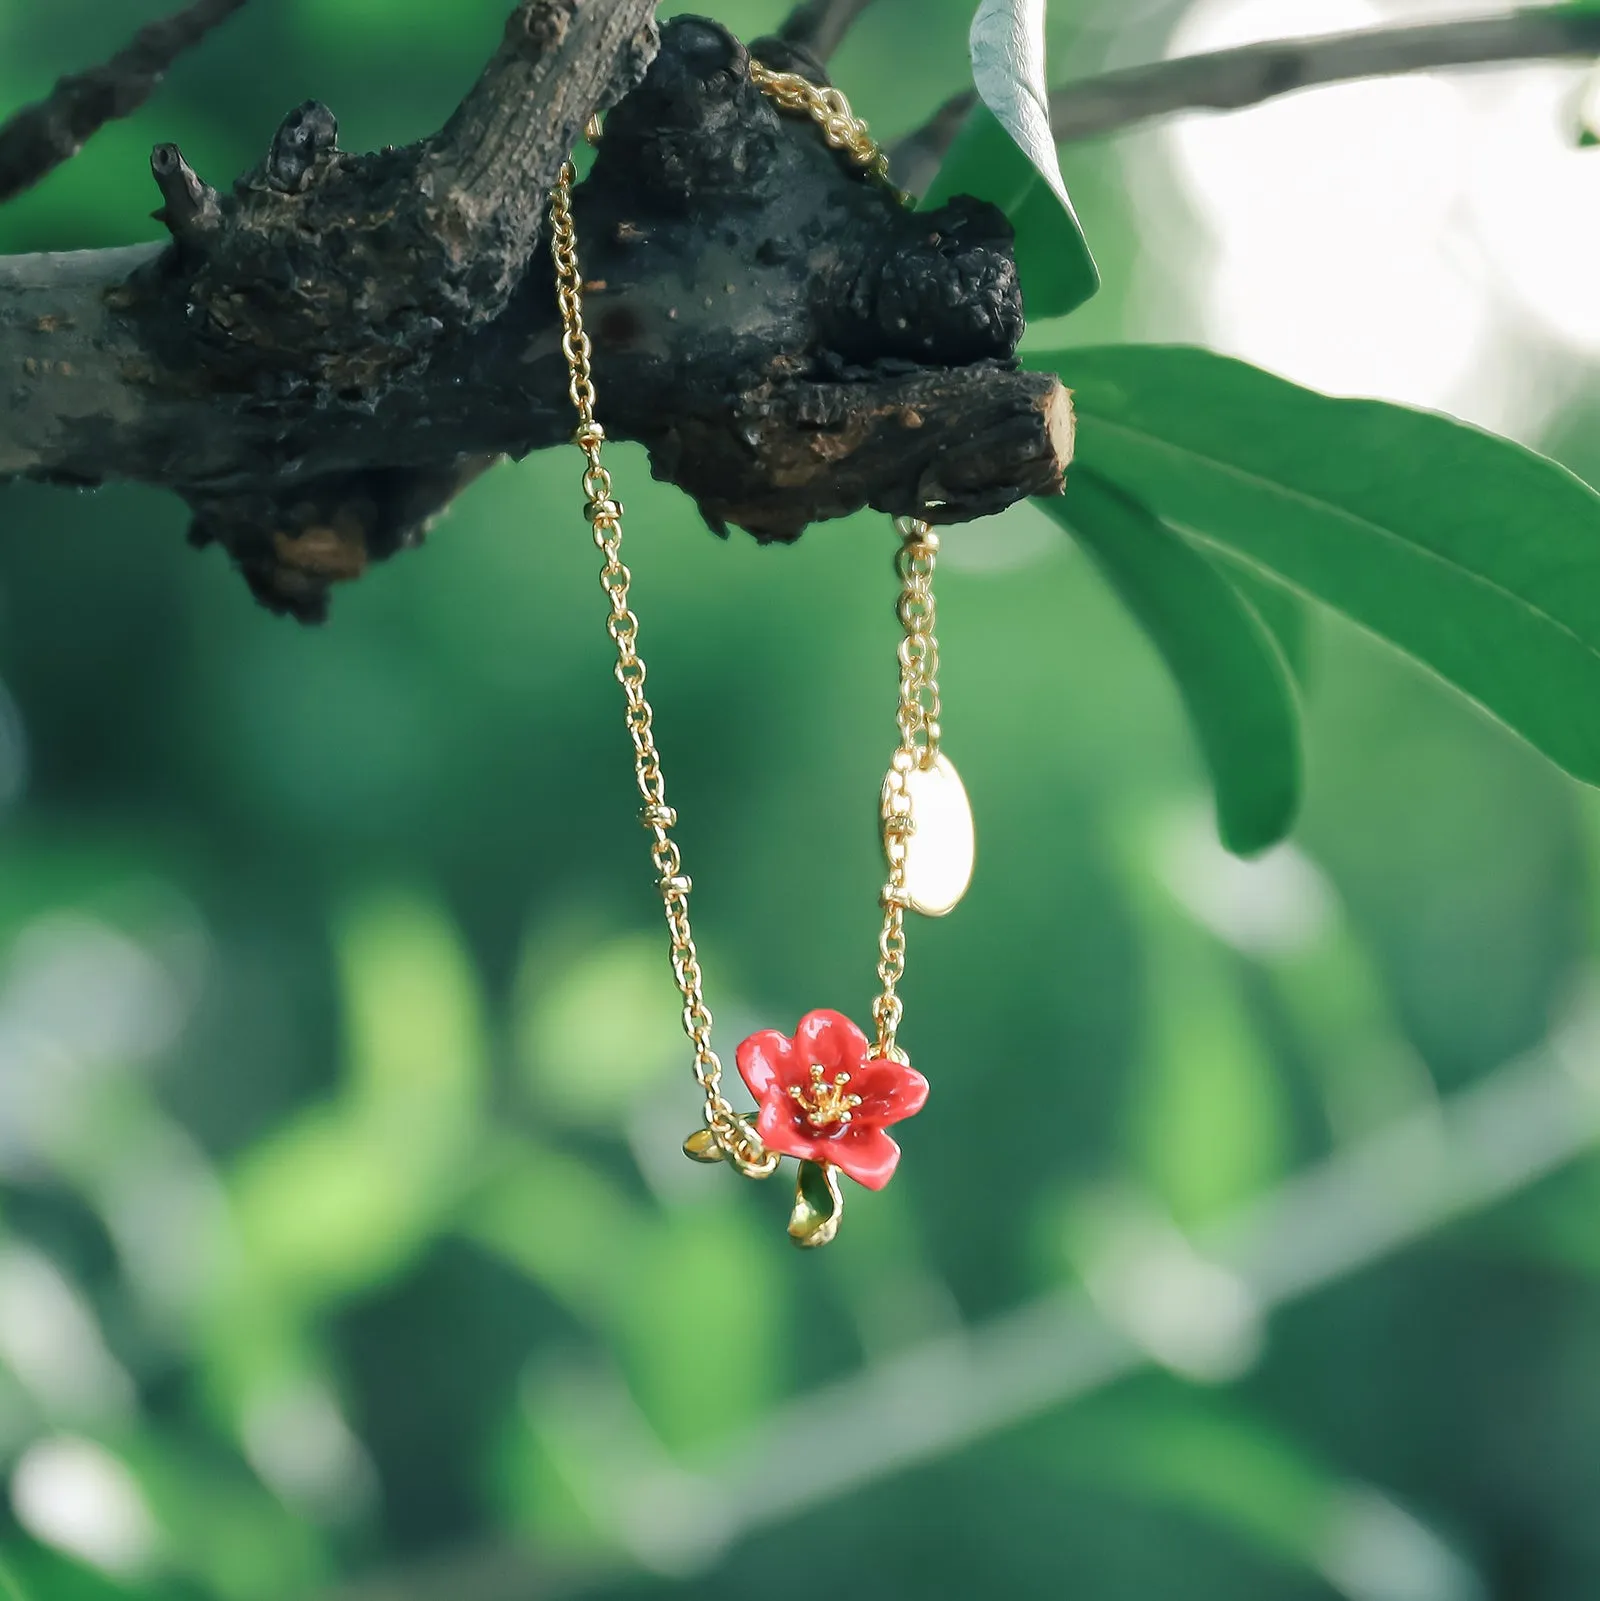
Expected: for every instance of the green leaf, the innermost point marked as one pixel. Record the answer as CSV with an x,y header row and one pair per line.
x,y
1006,154
1233,679
1472,554
560,1220
413,1014
350,1190
1209,1117
1287,616
594,1028
329,1204
1007,45
706,1294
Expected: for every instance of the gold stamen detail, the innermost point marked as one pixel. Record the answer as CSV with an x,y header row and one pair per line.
x,y
825,1105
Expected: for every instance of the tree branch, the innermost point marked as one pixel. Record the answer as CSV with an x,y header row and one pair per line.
x,y
1227,80
819,26
492,165
40,137
323,357
1230,80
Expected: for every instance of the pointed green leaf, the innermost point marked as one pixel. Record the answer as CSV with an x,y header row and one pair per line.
x,y
1286,614
983,161
1006,154
1233,680
1008,55
1473,554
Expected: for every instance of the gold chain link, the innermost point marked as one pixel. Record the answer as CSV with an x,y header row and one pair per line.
x,y
918,719
831,112
735,1138
918,713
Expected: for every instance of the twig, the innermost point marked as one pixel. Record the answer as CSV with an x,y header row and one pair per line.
x,y
189,203
42,136
1229,80
1226,80
820,25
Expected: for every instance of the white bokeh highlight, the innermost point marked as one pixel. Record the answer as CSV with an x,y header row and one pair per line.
x,y
1429,239
297,1439
1533,199
1275,904
51,1342
73,1494
1373,1549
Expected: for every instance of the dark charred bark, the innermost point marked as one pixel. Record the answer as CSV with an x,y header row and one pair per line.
x,y
323,357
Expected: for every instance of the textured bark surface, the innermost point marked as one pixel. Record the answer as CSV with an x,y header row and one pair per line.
x,y
325,355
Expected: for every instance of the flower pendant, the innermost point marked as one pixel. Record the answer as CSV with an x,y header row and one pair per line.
x,y
825,1100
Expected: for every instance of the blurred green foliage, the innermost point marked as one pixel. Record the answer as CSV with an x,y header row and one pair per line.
x,y
342,1226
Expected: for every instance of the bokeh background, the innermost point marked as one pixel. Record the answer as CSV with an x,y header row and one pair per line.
x,y
1250,1243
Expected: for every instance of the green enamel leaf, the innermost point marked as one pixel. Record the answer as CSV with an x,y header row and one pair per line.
x,y
1233,679
1006,154
818,1205
701,1146
1474,555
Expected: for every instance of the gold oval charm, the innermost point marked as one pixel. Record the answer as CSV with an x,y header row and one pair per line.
x,y
942,845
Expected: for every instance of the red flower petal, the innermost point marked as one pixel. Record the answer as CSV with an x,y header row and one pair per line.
x,y
890,1092
783,1128
771,1063
868,1155
828,1040
765,1063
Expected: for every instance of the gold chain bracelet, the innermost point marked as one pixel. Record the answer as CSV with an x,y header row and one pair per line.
x,y
826,1095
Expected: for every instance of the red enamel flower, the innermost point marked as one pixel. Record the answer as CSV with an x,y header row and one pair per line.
x,y
823,1098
